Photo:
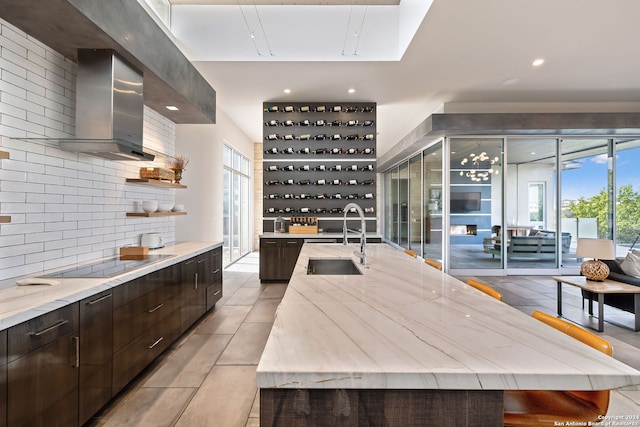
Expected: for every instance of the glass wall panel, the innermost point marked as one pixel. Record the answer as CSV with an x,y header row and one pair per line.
x,y
628,195
391,210
530,196
403,201
236,225
587,189
226,216
475,203
415,203
432,201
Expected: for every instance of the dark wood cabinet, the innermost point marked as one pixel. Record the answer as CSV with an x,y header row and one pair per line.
x,y
96,349
3,378
43,370
194,289
214,287
278,258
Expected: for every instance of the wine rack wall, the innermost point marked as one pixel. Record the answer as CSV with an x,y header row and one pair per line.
x,y
317,158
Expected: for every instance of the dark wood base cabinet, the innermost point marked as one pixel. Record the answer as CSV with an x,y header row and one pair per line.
x,y
61,368
278,258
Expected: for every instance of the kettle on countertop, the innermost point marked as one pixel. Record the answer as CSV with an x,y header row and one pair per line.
x,y
151,240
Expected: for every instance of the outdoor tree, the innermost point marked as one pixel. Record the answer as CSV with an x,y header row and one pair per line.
x,y
627,209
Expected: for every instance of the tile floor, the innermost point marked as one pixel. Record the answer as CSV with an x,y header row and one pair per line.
x,y
208,377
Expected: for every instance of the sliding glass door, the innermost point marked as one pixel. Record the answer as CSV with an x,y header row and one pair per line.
x,y
236,227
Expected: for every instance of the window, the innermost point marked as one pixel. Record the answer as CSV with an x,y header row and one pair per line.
x,y
236,226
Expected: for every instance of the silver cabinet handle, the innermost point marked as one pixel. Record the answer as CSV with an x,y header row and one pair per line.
x,y
95,301
200,261
196,281
151,310
216,271
155,343
216,292
50,328
292,243
189,262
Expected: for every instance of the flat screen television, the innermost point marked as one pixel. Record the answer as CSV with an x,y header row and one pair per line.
x,y
465,201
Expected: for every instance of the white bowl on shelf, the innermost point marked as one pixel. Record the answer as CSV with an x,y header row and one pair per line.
x,y
178,208
150,206
165,207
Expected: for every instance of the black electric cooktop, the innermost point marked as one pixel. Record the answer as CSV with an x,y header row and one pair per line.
x,y
106,268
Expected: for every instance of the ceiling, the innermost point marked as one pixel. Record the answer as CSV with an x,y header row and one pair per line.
x,y
463,52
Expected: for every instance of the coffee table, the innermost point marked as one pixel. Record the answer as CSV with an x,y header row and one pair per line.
x,y
600,288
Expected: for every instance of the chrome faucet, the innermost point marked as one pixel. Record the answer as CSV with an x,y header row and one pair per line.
x,y
363,232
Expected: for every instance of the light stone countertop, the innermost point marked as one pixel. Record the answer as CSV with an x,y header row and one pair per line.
x,y
22,303
406,325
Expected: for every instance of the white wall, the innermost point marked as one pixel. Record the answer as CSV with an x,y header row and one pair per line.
x,y
202,144
65,208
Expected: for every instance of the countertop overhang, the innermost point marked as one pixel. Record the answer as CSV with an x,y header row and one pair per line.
x,y
22,303
406,325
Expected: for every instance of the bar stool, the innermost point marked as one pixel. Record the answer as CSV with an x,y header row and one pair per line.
x,y
410,252
433,263
485,288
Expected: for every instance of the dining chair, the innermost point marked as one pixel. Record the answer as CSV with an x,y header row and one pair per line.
x,y
534,408
485,288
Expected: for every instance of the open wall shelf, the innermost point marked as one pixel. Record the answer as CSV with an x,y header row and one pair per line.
x,y
154,214
154,183
4,219
4,155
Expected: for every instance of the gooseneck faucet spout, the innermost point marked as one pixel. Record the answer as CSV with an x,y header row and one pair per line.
x,y
363,231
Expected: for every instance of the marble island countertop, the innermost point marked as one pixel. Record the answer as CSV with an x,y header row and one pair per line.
x,y
324,235
21,303
405,325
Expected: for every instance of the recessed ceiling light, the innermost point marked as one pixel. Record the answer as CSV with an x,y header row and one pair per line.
x,y
352,90
509,82
287,91
172,108
538,62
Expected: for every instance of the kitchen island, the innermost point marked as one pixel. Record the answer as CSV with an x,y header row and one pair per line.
x,y
405,344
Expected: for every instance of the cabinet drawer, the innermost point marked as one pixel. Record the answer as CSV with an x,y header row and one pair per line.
x,y
292,243
139,315
214,293
34,333
131,360
269,243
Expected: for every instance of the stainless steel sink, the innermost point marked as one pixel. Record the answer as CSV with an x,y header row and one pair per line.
x,y
336,266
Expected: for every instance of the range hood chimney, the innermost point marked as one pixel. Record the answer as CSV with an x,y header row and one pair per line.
x,y
109,108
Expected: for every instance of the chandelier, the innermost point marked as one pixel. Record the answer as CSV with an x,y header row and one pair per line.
x,y
476,161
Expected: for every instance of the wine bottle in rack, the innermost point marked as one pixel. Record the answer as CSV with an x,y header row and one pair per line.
x,y
351,168
304,182
336,123
336,108
320,151
272,137
336,168
367,168
352,151
368,109
272,109
304,109
367,151
288,182
304,210
287,168
305,150
272,182
304,196
270,210
352,123
352,182
272,196
273,150
320,109
351,196
367,182
319,168
351,137
305,137
271,168
335,182
335,210
335,151
288,109
368,123
303,167
320,137
288,137
368,196
319,123
288,196
319,210
336,196
288,150
272,123
305,122
335,137
351,109
288,123
321,196
321,182
367,137
369,210
288,210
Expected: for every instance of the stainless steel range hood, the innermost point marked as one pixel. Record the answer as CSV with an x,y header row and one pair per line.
x,y
109,108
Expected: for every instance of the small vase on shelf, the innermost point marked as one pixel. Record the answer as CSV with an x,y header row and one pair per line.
x,y
178,175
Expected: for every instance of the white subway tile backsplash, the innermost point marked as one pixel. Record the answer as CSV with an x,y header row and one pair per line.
x,y
65,207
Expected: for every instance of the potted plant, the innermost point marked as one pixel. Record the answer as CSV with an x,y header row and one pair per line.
x,y
177,165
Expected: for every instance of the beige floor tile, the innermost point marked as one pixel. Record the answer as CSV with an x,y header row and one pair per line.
x,y
146,407
246,345
273,290
224,320
264,310
224,399
244,296
189,364
255,408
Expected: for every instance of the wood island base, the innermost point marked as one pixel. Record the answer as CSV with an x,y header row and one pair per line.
x,y
402,408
